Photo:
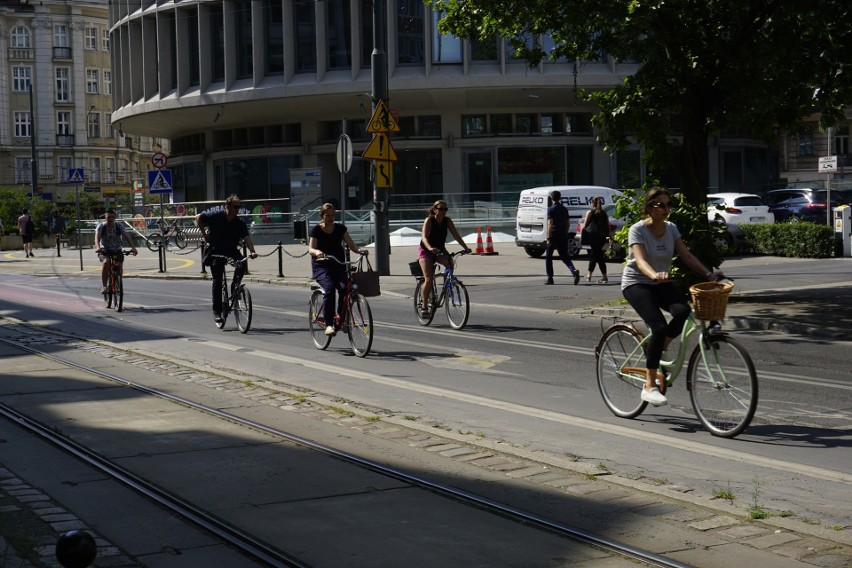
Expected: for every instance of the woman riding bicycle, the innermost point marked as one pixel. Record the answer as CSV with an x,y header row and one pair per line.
x,y
646,285
433,249
326,240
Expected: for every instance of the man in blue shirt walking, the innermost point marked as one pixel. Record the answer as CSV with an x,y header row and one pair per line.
x,y
557,238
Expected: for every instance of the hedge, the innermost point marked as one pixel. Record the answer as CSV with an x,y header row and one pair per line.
x,y
798,240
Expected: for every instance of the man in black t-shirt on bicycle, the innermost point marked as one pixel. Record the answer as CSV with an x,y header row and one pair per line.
x,y
223,230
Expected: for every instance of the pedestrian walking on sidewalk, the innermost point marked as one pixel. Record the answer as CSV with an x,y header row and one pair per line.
x,y
26,229
222,231
557,237
57,226
596,226
433,247
647,287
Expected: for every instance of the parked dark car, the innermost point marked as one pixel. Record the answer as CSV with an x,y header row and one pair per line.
x,y
801,204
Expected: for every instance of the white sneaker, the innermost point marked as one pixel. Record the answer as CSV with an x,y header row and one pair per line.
x,y
330,331
654,396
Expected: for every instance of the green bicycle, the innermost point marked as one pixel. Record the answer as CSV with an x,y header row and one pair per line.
x,y
720,375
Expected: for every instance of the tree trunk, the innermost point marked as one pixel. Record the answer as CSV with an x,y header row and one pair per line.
x,y
695,166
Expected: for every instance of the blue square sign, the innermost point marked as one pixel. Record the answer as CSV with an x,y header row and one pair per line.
x,y
159,181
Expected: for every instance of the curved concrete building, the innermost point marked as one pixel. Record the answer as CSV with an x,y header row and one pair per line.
x,y
250,90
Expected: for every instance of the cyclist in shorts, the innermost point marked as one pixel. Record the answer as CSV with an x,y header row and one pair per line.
x,y
432,249
108,235
223,231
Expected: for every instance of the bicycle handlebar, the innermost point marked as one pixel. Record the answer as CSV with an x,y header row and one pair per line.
x,y
231,261
324,258
116,252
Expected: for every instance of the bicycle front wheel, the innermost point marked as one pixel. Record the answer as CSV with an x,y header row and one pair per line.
x,y
360,327
180,240
457,304
118,288
722,384
153,241
242,309
618,352
418,304
316,324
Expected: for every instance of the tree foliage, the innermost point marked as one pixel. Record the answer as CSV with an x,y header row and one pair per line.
x,y
708,66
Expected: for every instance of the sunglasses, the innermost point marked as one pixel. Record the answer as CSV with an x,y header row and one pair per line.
x,y
441,209
661,205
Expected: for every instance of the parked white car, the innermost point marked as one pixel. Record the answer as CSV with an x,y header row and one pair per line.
x,y
738,209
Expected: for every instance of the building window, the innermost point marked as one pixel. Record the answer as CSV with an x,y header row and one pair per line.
x,y
245,65
23,170
529,43
217,40
806,144
548,45
841,140
21,77
429,126
94,125
445,48
110,170
108,131
20,38
339,33
91,38
366,12
474,125
65,164
63,123
22,124
105,39
92,81
306,37
409,32
274,37
94,170
484,50
107,82
63,84
60,35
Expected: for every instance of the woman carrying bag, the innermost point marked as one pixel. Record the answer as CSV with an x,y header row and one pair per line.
x,y
596,234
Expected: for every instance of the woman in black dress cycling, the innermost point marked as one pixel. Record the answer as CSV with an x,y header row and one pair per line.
x,y
326,240
432,249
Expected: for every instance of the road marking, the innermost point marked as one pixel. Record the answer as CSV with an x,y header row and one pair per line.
x,y
665,440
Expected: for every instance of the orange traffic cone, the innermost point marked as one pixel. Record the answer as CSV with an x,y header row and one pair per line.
x,y
478,241
489,244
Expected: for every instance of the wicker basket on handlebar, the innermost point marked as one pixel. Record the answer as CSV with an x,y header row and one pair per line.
x,y
709,299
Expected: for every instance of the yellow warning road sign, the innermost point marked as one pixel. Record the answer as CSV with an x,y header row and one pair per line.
x,y
380,149
384,174
382,120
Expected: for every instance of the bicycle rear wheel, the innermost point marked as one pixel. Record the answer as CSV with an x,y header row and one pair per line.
x,y
619,349
118,291
418,303
180,240
242,309
153,241
722,384
360,327
316,324
457,304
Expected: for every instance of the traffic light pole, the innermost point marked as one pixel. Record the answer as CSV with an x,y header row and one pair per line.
x,y
379,64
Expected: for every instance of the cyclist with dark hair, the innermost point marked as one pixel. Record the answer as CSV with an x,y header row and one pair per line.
x,y
108,235
223,230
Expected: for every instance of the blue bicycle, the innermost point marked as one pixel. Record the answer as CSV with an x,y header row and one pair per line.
x,y
453,296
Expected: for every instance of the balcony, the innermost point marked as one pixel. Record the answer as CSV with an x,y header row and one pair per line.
x,y
64,139
18,53
62,53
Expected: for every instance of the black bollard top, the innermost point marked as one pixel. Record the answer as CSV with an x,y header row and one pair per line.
x,y
76,549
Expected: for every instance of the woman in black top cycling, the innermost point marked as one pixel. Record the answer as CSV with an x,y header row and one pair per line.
x,y
326,240
432,249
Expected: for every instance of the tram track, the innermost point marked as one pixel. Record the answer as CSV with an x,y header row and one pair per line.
x,y
256,547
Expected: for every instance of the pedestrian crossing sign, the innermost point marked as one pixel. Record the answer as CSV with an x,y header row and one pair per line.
x,y
159,181
76,175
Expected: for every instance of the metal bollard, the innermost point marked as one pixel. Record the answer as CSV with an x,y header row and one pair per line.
x,y
161,256
280,261
203,250
58,246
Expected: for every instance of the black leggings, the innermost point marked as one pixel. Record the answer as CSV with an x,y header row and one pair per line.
x,y
649,300
596,257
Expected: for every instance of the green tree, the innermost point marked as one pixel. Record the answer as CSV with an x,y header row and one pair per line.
x,y
708,66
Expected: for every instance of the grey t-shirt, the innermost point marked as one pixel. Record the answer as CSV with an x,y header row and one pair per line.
x,y
658,252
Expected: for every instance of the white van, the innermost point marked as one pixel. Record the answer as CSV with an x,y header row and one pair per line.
x,y
531,221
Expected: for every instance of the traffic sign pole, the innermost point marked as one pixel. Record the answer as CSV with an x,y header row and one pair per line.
x,y
379,68
343,150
